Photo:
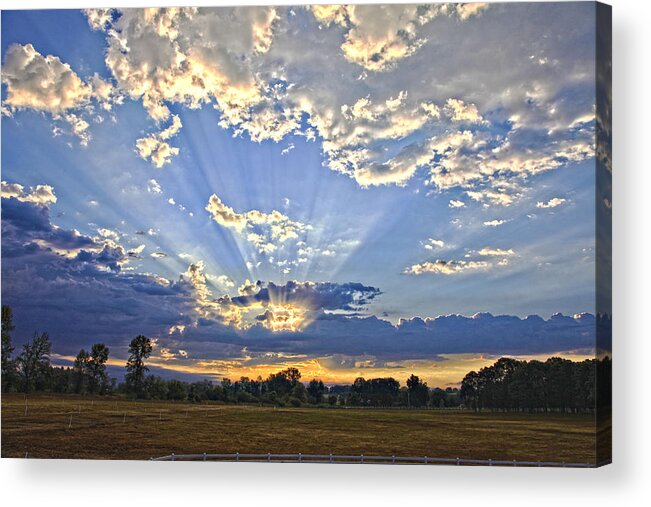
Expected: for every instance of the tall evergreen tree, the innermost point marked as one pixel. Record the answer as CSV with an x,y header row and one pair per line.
x,y
34,362
139,349
98,379
8,365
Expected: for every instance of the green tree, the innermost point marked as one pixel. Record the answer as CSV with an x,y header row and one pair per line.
x,y
293,375
139,349
80,369
417,392
556,385
437,398
177,390
316,389
299,392
155,388
284,381
8,365
98,379
34,361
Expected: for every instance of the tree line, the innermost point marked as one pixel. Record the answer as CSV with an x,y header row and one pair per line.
x,y
554,385
31,371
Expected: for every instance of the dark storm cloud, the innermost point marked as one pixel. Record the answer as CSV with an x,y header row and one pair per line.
x,y
25,216
85,298
415,338
312,295
57,281
23,221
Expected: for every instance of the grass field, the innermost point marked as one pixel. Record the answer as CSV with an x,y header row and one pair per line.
x,y
105,428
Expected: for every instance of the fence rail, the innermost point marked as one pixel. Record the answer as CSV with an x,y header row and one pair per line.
x,y
380,460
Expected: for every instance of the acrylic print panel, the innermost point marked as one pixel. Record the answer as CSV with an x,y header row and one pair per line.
x,y
374,233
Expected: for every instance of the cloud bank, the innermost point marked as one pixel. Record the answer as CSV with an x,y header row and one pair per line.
x,y
52,276
416,95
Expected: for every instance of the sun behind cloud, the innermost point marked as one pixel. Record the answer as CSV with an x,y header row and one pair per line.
x,y
283,317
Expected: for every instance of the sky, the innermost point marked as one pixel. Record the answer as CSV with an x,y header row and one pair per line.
x,y
354,190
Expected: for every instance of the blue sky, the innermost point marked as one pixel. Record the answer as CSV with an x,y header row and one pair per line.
x,y
437,157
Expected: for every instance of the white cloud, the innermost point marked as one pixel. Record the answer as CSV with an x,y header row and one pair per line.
x,y
379,36
153,187
456,204
108,233
552,203
105,93
40,82
350,135
496,252
466,10
172,129
289,148
79,127
223,281
46,84
494,223
41,195
264,230
135,252
192,56
159,152
431,244
98,19
446,267
245,62
460,111
155,147
499,197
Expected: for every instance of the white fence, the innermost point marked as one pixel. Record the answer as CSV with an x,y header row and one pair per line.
x,y
380,460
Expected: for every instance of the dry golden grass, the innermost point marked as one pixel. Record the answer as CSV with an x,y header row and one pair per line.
x,y
114,428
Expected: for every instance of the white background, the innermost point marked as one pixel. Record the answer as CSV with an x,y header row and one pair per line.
x,y
626,482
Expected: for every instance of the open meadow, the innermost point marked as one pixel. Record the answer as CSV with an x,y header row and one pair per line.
x,y
68,426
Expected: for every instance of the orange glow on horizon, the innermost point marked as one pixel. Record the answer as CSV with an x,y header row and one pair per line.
x,y
448,371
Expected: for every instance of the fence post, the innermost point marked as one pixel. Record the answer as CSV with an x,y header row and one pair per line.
x,y
237,456
457,460
426,460
300,457
204,456
330,457
362,456
393,459
514,463
269,457
173,457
